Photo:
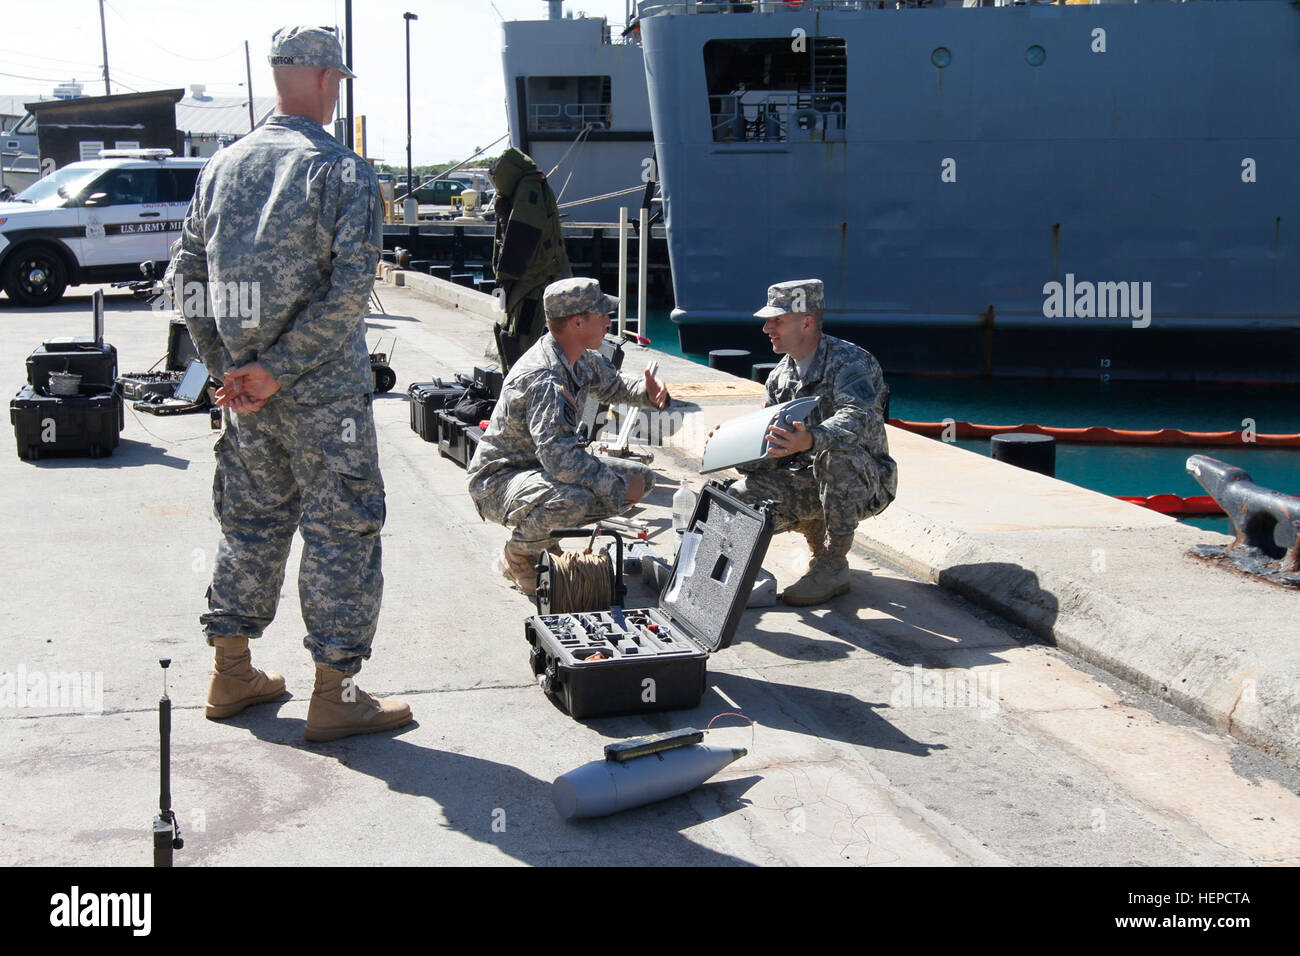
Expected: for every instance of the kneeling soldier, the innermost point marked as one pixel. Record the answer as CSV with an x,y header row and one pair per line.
x,y
827,477
530,472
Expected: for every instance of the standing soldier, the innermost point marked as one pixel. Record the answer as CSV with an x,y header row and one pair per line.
x,y
528,251
290,220
530,471
827,477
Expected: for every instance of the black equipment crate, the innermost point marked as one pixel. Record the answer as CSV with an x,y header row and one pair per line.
x,y
473,435
427,398
489,380
96,364
451,437
180,346
653,659
89,423
136,386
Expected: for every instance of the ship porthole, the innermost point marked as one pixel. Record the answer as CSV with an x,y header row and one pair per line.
x,y
941,56
1035,55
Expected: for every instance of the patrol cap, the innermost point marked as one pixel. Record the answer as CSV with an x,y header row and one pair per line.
x,y
574,296
307,46
797,295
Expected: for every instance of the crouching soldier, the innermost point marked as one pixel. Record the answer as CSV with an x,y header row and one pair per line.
x,y
828,476
531,473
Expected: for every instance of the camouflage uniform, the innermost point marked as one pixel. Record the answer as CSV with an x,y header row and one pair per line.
x,y
529,472
847,475
297,214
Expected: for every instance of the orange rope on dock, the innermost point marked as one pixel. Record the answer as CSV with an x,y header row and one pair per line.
x,y
1195,506
1097,435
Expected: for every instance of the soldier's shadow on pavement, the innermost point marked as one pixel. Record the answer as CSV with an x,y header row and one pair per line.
x,y
908,635
792,707
498,804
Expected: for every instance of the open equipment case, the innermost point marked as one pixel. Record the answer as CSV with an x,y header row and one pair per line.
x,y
635,661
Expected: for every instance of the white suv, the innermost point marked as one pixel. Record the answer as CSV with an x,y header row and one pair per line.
x,y
93,222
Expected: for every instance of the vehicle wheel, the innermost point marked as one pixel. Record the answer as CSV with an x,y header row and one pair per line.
x,y
35,276
385,379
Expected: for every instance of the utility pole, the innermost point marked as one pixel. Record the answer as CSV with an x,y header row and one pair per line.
x,y
350,135
410,204
248,71
103,35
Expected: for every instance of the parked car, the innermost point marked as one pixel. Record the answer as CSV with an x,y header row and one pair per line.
x,y
93,221
437,193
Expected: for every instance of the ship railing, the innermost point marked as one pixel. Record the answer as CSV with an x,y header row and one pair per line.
x,y
654,8
561,117
777,117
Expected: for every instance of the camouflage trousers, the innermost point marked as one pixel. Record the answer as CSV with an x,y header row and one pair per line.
x,y
308,468
531,503
842,489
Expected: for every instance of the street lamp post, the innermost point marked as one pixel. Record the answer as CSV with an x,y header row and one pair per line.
x,y
411,208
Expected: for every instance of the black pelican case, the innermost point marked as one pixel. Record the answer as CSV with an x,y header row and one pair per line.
x,y
427,398
87,424
95,363
634,661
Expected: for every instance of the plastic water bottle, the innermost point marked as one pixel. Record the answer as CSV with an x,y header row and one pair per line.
x,y
683,507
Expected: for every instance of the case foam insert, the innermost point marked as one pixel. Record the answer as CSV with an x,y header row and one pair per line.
x,y
728,539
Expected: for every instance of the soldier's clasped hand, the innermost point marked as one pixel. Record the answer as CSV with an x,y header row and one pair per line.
x,y
246,389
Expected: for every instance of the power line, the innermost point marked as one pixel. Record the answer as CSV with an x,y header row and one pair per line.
x,y
52,59
143,33
38,79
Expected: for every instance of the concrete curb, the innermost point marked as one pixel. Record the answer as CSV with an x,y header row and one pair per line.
x,y
447,294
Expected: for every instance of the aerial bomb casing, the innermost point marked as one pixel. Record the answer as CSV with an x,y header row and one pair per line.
x,y
607,786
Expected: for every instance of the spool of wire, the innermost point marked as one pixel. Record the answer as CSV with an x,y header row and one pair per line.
x,y
579,580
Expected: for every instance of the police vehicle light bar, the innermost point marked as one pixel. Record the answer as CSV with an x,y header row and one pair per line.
x,y
156,153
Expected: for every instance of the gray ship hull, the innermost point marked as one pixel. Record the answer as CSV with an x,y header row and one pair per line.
x,y
942,209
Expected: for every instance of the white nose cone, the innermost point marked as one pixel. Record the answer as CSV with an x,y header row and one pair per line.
x,y
603,787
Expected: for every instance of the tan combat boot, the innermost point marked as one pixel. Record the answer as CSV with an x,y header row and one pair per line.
x,y
827,578
236,683
339,708
814,531
519,567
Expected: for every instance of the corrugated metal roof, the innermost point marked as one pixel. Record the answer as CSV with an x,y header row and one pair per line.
x,y
220,115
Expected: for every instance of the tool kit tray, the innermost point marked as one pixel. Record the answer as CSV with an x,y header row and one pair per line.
x,y
638,660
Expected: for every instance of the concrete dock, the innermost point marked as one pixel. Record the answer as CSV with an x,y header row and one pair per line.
x,y
1024,673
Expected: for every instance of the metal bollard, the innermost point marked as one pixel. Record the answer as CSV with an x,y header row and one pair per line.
x,y
735,361
1028,451
1262,519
